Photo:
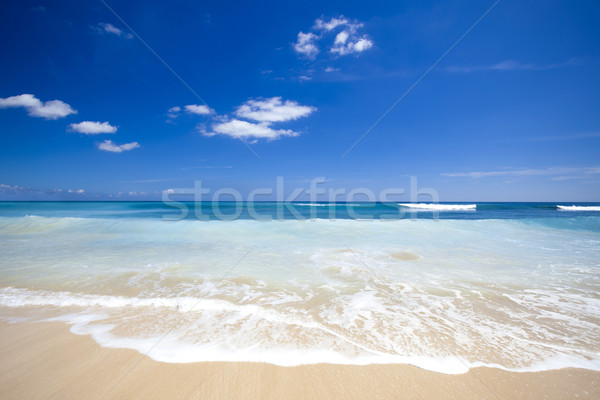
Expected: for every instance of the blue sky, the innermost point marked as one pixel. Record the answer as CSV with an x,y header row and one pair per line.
x,y
251,91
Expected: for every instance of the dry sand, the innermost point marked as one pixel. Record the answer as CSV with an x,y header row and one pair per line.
x,y
46,361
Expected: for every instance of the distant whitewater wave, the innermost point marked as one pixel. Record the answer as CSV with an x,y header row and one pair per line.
x,y
323,204
326,204
439,207
578,208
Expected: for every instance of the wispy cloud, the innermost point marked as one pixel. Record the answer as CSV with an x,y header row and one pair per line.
x,y
16,191
106,28
53,109
4,187
109,145
485,174
154,180
92,127
511,65
173,113
575,136
323,25
557,173
207,167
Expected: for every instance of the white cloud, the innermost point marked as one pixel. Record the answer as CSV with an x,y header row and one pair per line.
x,y
110,28
341,38
248,130
262,113
79,191
198,109
331,69
273,110
333,23
362,45
342,46
346,41
93,128
305,45
22,100
52,109
108,145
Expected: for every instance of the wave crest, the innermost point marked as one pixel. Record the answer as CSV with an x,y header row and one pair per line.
x,y
578,208
439,207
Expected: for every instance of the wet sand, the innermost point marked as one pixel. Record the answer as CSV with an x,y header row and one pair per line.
x,y
46,361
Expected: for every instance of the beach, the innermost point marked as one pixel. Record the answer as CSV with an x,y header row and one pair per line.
x,y
111,301
46,361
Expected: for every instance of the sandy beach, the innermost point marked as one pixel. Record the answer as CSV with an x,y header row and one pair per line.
x,y
46,361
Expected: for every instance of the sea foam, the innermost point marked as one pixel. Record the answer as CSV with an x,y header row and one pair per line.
x,y
439,207
443,295
578,208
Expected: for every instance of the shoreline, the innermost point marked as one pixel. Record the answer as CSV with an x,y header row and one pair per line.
x,y
46,360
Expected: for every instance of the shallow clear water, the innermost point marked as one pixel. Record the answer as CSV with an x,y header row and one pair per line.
x,y
515,286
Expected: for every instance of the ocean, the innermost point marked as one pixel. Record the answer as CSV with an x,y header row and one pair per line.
x,y
444,287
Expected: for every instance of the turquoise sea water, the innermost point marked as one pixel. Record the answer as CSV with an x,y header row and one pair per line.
x,y
298,210
445,287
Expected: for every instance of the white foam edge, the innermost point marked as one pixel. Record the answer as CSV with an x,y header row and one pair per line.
x,y
439,207
169,348
578,208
